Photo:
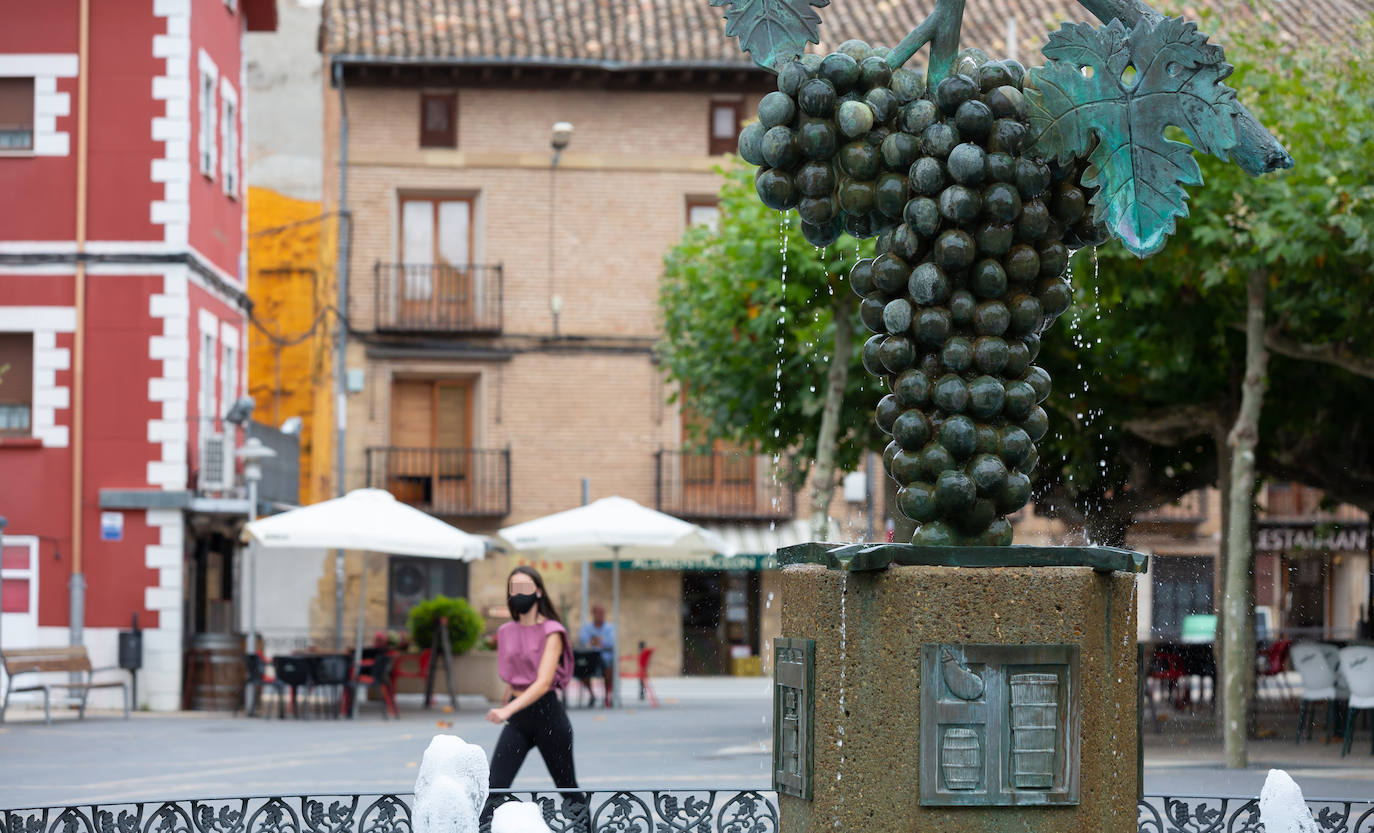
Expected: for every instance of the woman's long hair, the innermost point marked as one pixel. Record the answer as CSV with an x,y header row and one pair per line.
x,y
545,603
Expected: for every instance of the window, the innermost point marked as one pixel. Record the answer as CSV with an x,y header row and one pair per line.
x,y
438,120
207,375
207,149
16,383
430,461
228,379
703,211
1182,587
436,253
413,580
16,114
229,140
723,130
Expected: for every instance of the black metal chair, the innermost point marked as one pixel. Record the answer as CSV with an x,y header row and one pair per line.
x,y
255,672
330,675
295,673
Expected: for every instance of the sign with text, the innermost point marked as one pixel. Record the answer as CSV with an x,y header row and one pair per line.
x,y
1312,537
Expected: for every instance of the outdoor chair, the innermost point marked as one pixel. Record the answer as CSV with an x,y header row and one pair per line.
x,y
1271,663
641,673
292,672
377,672
1357,669
1166,670
331,674
255,680
587,666
1318,684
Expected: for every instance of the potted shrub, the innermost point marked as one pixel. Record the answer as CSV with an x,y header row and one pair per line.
x,y
465,625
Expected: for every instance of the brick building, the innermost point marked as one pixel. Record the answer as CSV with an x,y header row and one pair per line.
x,y
122,324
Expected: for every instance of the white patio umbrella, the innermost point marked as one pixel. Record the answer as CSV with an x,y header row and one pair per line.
x,y
616,528
365,519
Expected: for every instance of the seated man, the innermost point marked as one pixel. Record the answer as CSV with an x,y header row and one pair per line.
x,y
599,635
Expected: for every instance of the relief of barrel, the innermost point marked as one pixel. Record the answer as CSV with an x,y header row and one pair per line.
x,y
1034,728
961,759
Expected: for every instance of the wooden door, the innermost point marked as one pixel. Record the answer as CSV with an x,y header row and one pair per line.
x,y
430,461
434,288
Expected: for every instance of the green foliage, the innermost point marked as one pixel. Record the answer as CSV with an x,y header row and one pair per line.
x,y
1108,95
772,31
465,625
735,334
1159,335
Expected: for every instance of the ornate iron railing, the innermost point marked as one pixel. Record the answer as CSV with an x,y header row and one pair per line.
x,y
724,485
596,811
1203,814
457,482
439,298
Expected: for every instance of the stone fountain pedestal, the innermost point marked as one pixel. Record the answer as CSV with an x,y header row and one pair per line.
x,y
940,698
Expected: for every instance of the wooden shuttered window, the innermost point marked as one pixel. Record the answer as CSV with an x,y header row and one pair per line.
x,y
16,384
430,460
16,114
722,128
438,120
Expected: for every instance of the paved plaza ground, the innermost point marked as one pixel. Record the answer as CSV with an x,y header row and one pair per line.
x,y
708,732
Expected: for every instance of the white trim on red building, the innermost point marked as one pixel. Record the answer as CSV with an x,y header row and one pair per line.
x,y
173,128
48,103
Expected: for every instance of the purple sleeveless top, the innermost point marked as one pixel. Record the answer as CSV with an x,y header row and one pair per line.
x,y
520,647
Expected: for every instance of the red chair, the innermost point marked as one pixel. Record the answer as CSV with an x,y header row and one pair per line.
x,y
381,673
1272,663
1168,669
400,662
641,674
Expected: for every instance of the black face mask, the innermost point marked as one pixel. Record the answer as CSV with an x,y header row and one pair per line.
x,y
522,602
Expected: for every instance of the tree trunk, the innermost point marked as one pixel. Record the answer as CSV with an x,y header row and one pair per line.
x,y
836,381
1219,568
1238,641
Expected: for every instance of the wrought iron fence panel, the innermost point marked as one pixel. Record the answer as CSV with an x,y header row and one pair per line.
x,y
593,811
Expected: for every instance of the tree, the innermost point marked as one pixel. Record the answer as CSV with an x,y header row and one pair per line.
x,y
753,315
1285,263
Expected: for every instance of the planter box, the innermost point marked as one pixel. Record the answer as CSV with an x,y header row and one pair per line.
x,y
473,673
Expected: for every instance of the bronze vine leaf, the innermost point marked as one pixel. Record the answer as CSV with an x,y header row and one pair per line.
x,y
772,31
1108,95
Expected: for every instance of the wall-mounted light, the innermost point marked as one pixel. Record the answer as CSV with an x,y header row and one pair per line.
x,y
562,134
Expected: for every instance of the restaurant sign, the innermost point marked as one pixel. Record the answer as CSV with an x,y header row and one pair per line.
x,y
1274,537
715,562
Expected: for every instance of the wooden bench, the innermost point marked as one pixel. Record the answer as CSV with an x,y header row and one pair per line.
x,y
70,660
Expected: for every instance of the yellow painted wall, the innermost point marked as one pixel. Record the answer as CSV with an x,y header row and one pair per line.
x,y
291,253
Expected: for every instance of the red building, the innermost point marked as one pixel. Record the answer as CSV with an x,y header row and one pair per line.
x,y
122,321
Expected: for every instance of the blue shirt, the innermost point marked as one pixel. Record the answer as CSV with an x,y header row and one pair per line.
x,y
606,632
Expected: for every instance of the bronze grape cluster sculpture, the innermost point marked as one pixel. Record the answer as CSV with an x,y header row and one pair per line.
x,y
978,179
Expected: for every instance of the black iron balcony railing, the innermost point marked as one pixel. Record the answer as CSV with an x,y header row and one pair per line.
x,y
724,485
439,298
457,482
1189,509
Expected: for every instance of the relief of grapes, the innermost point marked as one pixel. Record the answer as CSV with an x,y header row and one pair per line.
x,y
979,179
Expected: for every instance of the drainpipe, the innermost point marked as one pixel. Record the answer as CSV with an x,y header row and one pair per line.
x,y
341,350
77,585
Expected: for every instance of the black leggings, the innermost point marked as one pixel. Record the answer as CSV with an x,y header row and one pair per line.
x,y
544,724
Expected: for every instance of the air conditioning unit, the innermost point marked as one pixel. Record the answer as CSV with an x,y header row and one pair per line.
x,y
216,461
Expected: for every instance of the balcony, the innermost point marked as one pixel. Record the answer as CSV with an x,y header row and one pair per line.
x,y
1189,510
438,298
448,482
724,486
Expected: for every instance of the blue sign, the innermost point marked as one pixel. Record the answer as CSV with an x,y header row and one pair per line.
x,y
112,526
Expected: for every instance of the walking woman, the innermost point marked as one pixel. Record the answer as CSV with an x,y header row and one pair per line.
x,y
534,658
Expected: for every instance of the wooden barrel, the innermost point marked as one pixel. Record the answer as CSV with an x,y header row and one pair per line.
x,y
1034,730
961,760
217,672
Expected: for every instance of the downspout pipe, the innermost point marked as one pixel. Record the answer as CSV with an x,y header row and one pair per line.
x,y
341,349
77,584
